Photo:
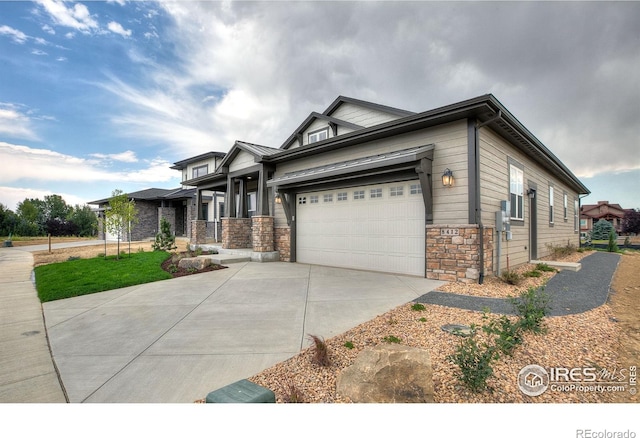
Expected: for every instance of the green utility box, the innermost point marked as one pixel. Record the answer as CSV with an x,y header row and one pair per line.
x,y
242,391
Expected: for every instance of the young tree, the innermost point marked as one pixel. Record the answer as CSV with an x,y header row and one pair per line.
x,y
121,216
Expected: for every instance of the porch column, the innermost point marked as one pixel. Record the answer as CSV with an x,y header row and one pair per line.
x,y
424,173
230,196
263,192
243,210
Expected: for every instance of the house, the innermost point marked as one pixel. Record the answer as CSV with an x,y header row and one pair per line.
x,y
592,213
177,205
367,186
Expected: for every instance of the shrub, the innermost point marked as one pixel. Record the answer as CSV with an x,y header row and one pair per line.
x,y
418,307
511,277
612,246
423,319
507,333
293,395
72,258
543,267
474,359
532,306
349,345
321,351
173,268
165,241
533,273
559,251
392,340
601,230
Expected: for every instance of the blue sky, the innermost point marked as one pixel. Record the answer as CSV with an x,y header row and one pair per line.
x,y
96,96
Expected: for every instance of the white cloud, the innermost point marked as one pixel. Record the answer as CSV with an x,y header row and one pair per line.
x,y
125,157
76,17
39,52
16,35
11,196
15,123
48,29
23,163
120,2
118,29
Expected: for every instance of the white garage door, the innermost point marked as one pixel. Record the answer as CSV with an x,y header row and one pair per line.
x,y
378,228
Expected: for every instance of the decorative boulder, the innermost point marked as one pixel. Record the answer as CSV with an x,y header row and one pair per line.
x,y
388,374
194,262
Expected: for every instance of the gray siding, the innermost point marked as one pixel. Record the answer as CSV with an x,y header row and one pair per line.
x,y
362,116
495,153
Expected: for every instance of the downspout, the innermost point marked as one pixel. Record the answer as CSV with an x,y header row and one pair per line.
x,y
478,206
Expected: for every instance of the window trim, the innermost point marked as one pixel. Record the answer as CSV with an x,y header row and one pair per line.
x,y
551,206
198,168
317,132
565,205
513,164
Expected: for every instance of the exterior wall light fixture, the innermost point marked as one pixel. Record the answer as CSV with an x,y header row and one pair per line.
x,y
447,178
278,198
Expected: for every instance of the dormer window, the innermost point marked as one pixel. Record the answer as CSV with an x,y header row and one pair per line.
x,y
200,171
319,135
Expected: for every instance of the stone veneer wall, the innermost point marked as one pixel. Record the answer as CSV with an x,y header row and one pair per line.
x,y
198,232
262,233
282,243
147,225
236,233
169,213
453,252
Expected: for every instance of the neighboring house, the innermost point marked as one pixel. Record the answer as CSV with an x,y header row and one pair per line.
x,y
362,186
592,213
178,205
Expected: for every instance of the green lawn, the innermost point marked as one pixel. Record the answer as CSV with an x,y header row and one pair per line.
x,y
86,276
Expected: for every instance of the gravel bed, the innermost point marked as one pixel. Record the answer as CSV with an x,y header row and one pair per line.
x,y
587,339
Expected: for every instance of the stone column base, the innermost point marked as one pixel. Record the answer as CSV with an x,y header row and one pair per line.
x,y
198,232
262,233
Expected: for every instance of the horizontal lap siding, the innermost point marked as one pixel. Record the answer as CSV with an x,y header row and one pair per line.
x,y
242,161
450,204
365,117
494,187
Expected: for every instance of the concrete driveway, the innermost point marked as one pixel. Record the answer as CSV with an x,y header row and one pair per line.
x,y
177,340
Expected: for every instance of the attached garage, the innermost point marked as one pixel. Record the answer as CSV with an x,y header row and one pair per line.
x,y
374,227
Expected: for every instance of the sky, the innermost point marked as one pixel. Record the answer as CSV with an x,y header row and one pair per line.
x,y
97,96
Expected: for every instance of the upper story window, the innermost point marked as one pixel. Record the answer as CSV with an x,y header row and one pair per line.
x,y
319,135
199,171
516,191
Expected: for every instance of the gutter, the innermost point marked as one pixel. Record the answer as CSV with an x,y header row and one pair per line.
x,y
478,206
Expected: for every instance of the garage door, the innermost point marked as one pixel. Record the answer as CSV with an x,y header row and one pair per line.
x,y
376,227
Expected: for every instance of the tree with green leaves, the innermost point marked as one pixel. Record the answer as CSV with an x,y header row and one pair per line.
x,y
601,230
121,216
31,214
85,220
165,240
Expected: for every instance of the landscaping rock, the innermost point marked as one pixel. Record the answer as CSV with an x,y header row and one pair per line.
x,y
388,374
457,329
194,262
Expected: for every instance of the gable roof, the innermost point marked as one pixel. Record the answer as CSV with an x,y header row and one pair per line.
x,y
326,115
179,165
483,109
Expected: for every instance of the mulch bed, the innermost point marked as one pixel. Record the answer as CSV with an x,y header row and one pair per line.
x,y
171,265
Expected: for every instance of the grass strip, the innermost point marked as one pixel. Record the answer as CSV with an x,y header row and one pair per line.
x,y
86,276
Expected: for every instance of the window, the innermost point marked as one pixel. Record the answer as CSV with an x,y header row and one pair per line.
x,y
328,198
342,196
415,189
565,205
320,135
576,208
516,191
221,209
375,193
313,199
551,204
302,200
396,191
205,211
583,223
200,171
358,194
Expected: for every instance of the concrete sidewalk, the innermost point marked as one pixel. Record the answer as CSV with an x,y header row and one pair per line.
x,y
27,372
177,340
